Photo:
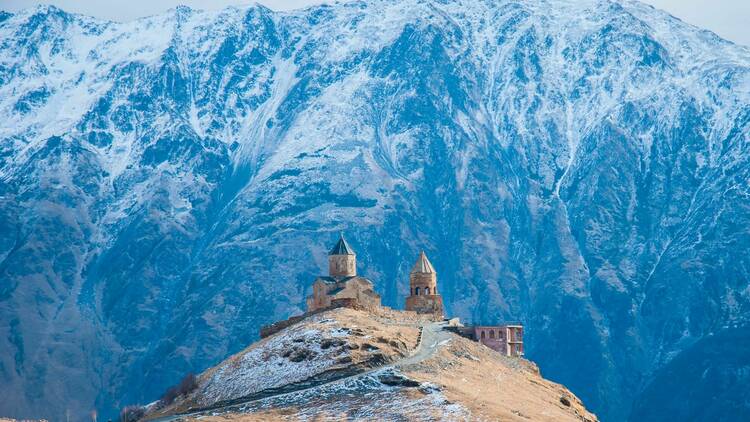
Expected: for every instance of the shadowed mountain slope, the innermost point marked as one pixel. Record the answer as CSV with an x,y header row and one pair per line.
x,y
170,184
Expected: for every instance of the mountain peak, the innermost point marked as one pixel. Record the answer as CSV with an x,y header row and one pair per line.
x,y
578,165
43,9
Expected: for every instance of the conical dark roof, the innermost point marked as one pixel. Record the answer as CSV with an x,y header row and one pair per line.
x,y
422,265
341,248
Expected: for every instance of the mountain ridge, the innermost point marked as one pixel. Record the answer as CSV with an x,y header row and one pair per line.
x,y
581,166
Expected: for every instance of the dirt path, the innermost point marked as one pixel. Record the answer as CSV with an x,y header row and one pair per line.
x,y
432,338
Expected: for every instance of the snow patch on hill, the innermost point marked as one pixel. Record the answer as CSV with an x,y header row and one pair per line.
x,y
272,363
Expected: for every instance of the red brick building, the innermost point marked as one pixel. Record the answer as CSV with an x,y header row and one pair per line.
x,y
506,339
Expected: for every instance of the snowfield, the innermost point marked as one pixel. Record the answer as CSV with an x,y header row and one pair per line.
x,y
169,185
272,363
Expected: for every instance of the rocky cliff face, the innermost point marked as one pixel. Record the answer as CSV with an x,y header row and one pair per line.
x,y
169,185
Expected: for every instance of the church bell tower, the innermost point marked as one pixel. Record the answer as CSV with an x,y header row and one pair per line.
x,y
423,296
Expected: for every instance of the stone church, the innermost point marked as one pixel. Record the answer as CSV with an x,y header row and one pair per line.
x,y
342,286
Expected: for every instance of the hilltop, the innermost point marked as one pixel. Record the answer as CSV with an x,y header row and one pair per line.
x,y
389,365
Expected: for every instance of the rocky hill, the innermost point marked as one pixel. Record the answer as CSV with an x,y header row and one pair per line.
x,y
344,364
169,185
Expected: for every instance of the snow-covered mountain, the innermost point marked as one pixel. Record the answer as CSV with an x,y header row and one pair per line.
x,y
170,184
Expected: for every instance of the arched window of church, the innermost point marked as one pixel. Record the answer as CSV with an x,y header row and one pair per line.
x,y
416,291
492,333
426,290
483,336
